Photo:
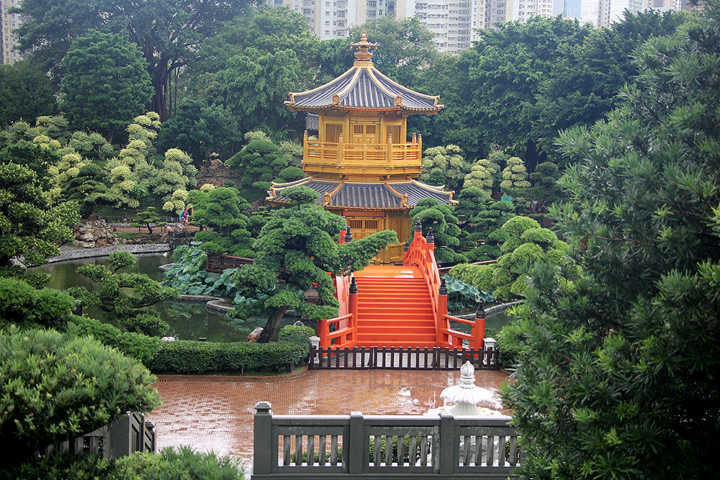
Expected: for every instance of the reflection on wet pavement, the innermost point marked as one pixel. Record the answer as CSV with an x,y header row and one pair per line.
x,y
215,413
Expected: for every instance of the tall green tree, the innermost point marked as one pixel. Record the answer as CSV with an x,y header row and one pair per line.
x,y
583,85
106,83
618,369
168,33
252,63
201,129
294,252
25,93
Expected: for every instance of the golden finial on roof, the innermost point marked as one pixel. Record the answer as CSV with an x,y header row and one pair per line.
x,y
363,53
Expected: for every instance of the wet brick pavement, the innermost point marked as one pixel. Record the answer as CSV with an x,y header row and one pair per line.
x,y
215,413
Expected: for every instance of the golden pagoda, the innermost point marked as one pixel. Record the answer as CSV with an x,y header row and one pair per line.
x,y
361,162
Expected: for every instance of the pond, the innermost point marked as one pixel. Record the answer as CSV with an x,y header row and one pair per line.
x,y
187,320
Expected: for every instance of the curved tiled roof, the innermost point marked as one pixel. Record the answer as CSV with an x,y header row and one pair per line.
x,y
363,87
366,195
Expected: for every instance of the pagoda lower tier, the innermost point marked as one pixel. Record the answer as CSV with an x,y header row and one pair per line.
x,y
370,207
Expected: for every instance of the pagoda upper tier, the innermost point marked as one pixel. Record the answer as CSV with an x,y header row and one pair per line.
x,y
362,125
363,88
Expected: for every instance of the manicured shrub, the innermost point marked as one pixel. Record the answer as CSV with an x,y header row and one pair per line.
x,y
170,464
296,334
188,356
135,345
58,386
20,303
175,464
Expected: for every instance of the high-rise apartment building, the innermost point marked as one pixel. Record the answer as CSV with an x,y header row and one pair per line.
x,y
487,14
452,22
524,9
9,23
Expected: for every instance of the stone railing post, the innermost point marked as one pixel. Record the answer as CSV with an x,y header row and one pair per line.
x,y
448,444
357,448
262,438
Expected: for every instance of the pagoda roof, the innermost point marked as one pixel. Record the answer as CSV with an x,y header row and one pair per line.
x,y
386,196
363,87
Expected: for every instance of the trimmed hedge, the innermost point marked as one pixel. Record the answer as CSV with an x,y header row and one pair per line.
x,y
189,356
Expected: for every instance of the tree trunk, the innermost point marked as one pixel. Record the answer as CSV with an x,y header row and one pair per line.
x,y
271,329
159,80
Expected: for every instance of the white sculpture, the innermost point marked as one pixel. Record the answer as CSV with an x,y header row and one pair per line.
x,y
465,396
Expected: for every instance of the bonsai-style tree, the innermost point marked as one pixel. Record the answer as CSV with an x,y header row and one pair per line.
x,y
481,218
525,243
149,218
261,161
444,166
126,295
444,224
224,211
485,173
514,176
294,253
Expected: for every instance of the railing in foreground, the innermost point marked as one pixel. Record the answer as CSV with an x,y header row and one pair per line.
x,y
402,358
128,434
365,447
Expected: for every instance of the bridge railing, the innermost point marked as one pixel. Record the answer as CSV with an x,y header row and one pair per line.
x,y
358,358
421,253
357,446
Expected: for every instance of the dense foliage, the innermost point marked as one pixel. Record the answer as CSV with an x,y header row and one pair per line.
x,y
169,464
105,84
618,369
57,386
25,93
524,243
30,226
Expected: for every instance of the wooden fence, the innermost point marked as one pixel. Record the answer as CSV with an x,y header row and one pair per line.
x,y
364,447
217,262
402,358
128,434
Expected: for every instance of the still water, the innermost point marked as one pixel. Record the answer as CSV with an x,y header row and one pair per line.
x,y
187,320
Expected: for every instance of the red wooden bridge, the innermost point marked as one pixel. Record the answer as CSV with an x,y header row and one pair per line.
x,y
398,306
